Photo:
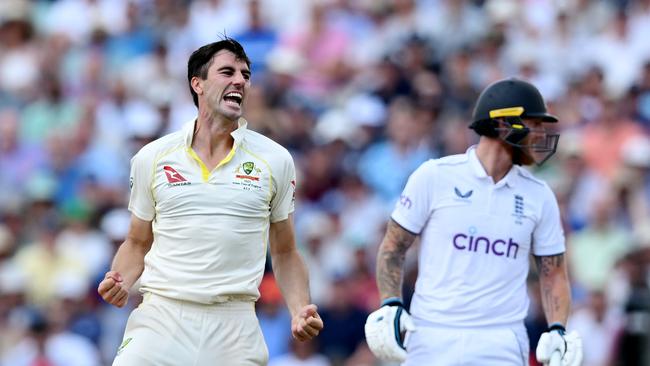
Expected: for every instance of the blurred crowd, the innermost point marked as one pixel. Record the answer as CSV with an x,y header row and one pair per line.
x,y
361,92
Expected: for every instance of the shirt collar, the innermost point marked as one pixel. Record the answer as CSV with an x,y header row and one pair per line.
x,y
239,134
479,171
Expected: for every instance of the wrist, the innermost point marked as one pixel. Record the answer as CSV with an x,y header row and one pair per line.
x,y
392,301
557,326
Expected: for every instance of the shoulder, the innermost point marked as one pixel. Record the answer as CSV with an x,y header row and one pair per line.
x,y
266,148
444,164
535,184
452,160
450,164
528,177
157,147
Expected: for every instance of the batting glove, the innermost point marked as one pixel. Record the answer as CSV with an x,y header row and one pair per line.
x,y
557,341
384,329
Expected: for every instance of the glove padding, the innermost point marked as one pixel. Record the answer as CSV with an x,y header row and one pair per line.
x,y
384,328
568,345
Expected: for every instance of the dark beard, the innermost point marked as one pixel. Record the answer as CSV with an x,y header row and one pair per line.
x,y
519,157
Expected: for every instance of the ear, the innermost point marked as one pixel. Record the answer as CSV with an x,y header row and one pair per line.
x,y
197,85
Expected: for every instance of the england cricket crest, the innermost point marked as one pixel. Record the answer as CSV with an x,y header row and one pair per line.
x,y
248,167
519,209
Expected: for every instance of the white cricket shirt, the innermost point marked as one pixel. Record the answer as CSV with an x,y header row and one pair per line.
x,y
210,227
476,237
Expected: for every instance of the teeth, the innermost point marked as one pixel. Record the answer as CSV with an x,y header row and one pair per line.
x,y
234,94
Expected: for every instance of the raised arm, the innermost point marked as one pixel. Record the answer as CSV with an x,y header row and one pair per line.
x,y
292,277
390,260
128,263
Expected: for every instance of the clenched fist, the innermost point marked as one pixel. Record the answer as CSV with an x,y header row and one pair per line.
x,y
113,290
307,324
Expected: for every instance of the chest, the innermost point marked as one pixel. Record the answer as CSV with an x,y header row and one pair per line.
x,y
488,215
242,186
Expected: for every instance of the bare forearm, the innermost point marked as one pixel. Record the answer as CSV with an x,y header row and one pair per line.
x,y
129,261
292,278
554,285
390,260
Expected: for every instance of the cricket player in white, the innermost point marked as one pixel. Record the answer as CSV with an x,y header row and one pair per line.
x,y
205,201
478,215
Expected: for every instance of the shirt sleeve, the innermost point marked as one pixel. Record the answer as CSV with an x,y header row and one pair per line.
x,y
548,237
283,201
141,202
415,204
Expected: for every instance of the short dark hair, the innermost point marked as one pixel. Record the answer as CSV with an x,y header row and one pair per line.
x,y
201,59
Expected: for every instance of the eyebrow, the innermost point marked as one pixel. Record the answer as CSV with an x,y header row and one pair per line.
x,y
230,68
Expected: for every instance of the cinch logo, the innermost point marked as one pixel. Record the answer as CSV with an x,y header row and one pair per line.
x,y
172,175
497,247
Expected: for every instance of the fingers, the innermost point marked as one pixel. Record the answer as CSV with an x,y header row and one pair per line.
x,y
121,299
309,310
304,334
112,290
407,323
308,324
310,327
556,359
573,355
114,275
314,326
110,294
543,351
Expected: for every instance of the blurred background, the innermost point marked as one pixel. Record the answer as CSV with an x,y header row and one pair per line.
x,y
361,92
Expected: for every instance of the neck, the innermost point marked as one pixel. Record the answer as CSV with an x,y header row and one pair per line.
x,y
213,133
495,157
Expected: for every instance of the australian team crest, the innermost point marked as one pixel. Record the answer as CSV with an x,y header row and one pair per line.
x,y
248,175
248,167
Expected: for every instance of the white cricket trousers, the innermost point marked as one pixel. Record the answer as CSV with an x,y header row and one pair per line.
x,y
435,345
168,332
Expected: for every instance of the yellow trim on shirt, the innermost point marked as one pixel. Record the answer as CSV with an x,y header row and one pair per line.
x,y
205,173
268,167
227,158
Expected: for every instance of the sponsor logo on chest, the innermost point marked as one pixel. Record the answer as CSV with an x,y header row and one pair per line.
x,y
482,245
463,196
174,178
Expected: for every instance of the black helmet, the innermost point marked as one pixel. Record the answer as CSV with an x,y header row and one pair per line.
x,y
510,98
507,103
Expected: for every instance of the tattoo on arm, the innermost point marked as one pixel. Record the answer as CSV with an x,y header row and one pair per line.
x,y
391,259
548,266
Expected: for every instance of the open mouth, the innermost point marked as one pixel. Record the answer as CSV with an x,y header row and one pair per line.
x,y
233,98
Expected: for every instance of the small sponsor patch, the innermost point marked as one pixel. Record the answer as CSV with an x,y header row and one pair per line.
x,y
240,176
462,195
